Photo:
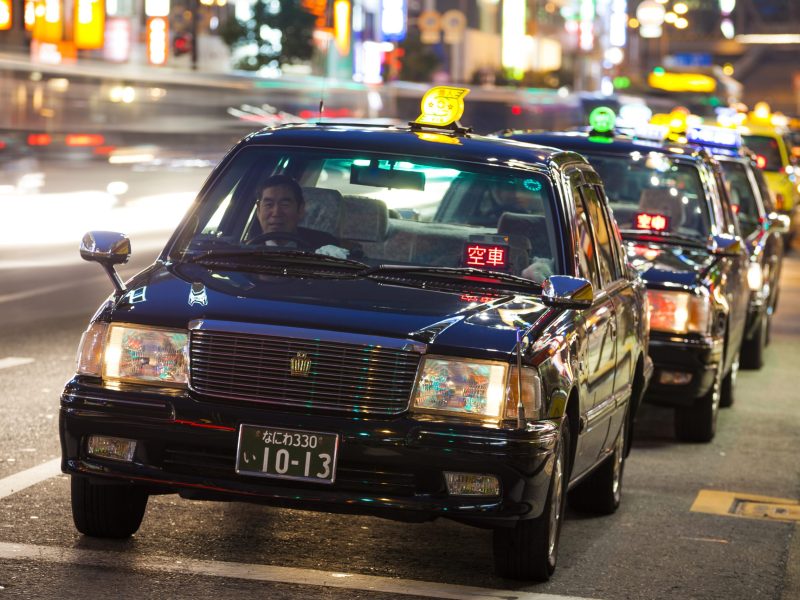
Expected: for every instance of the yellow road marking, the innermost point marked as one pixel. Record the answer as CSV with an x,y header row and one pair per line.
x,y
749,506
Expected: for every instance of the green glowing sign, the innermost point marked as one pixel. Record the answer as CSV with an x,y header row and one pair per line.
x,y
602,119
622,83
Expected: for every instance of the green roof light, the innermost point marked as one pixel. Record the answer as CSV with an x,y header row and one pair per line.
x,y
602,120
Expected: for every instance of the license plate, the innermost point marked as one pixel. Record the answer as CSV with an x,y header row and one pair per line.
x,y
287,453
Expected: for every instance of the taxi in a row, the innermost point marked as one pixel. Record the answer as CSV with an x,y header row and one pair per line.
x,y
681,234
411,322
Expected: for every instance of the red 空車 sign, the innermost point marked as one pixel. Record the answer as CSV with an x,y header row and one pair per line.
x,y
651,222
486,256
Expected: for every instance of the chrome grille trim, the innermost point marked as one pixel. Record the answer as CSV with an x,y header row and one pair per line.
x,y
349,372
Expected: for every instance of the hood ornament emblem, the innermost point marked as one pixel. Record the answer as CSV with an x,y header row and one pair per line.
x,y
197,294
300,365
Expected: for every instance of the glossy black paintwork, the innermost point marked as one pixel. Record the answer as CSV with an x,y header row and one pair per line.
x,y
589,362
667,264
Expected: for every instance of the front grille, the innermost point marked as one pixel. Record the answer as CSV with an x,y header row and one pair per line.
x,y
340,377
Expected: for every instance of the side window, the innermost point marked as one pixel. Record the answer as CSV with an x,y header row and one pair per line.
x,y
587,267
605,255
614,234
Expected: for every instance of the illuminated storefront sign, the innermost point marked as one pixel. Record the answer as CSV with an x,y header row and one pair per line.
x,y
89,24
318,8
118,39
341,26
30,14
393,20
49,25
5,15
156,8
157,40
513,32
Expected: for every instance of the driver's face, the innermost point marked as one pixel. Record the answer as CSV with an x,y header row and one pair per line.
x,y
279,211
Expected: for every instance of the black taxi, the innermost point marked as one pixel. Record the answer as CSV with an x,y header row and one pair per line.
x,y
410,322
762,228
681,233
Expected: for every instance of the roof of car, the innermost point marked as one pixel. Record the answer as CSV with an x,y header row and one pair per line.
x,y
584,142
417,142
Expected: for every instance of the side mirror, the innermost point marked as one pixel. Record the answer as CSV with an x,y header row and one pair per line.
x,y
779,223
726,244
563,291
109,249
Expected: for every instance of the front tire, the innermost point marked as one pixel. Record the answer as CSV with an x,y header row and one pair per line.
x,y
601,492
528,551
107,511
698,423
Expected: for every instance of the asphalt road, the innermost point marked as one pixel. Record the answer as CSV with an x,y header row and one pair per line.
x,y
655,546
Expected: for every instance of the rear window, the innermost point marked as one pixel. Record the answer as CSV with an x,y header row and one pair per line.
x,y
655,184
767,150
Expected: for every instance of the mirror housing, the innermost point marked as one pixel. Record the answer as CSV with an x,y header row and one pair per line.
x,y
726,244
562,291
108,248
779,223
374,176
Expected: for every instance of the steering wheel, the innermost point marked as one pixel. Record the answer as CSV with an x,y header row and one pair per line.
x,y
280,236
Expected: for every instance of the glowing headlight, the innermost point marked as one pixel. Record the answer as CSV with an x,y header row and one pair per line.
x,y
678,312
484,390
135,354
755,277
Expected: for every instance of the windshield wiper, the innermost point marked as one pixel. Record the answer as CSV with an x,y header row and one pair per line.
x,y
670,238
464,273
285,257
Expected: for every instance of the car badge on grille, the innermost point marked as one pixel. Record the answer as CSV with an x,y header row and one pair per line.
x,y
300,365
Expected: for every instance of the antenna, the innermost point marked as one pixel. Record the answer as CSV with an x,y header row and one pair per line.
x,y
324,86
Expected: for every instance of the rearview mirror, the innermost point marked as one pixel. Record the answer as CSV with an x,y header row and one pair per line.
x,y
563,291
387,178
726,244
778,222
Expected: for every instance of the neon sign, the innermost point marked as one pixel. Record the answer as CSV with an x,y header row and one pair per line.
x,y
486,256
651,222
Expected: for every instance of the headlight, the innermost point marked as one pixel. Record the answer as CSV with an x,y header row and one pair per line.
x,y
678,312
484,390
755,277
134,353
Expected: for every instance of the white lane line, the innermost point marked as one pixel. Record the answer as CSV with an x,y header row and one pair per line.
x,y
14,361
266,573
19,481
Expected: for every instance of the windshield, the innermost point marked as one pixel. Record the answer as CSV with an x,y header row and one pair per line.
x,y
767,149
654,193
376,209
742,195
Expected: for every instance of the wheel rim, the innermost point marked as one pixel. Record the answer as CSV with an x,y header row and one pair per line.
x,y
735,368
619,458
555,504
717,394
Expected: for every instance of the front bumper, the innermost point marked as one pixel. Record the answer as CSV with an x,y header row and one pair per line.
x,y
390,467
698,357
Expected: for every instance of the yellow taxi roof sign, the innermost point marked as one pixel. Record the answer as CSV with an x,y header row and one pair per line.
x,y
442,106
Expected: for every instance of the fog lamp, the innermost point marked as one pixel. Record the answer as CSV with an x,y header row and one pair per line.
x,y
471,484
113,448
674,377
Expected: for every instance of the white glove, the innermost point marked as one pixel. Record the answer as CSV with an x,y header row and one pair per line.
x,y
331,250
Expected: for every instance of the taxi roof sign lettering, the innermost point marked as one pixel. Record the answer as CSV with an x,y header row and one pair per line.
x,y
442,106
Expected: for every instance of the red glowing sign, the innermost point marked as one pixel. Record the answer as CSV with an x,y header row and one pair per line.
x,y
486,256
735,208
761,161
651,222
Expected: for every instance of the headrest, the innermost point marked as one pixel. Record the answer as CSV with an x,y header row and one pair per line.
x,y
533,227
662,201
323,210
365,219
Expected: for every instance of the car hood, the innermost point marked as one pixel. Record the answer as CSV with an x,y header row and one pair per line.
x,y
453,319
666,263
